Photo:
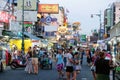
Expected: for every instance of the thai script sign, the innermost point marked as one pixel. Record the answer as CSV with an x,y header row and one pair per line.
x,y
48,8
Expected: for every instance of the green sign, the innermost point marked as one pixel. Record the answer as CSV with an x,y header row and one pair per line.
x,y
83,38
117,69
28,25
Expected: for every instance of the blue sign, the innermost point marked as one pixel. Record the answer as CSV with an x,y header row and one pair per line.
x,y
102,31
48,19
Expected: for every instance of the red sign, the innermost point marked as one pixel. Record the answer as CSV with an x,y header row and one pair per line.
x,y
5,17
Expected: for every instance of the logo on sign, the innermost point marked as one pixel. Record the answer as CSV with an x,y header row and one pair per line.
x,y
48,19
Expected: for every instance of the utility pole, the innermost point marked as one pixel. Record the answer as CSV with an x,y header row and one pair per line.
x,y
23,27
99,15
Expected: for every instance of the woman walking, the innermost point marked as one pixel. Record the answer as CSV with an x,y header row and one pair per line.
x,y
35,60
59,62
29,67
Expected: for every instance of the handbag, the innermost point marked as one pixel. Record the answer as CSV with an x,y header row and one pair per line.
x,y
78,67
92,68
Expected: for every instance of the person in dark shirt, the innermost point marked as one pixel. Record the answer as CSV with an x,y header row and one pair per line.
x,y
102,67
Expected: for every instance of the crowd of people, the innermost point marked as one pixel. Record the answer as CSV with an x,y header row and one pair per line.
x,y
68,61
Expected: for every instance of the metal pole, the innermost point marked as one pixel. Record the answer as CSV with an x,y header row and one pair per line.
x,y
100,26
23,28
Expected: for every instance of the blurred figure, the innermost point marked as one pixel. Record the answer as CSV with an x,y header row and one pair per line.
x,y
59,63
94,58
65,58
29,67
102,67
89,57
35,60
76,65
69,64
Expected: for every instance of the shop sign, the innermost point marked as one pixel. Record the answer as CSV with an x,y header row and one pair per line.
x,y
62,30
28,4
5,17
118,69
27,15
83,38
48,19
15,26
48,8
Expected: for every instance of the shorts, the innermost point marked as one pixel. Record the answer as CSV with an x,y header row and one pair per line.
x,y
34,60
69,69
59,66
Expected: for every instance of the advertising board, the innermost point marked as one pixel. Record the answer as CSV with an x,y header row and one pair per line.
x,y
48,8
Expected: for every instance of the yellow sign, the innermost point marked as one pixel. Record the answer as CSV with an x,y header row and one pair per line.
x,y
62,30
18,43
48,8
28,4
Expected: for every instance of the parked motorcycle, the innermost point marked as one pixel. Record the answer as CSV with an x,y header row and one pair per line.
x,y
17,64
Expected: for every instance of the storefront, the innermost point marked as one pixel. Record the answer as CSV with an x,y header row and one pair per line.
x,y
115,41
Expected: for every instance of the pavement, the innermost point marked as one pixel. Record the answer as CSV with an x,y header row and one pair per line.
x,y
20,74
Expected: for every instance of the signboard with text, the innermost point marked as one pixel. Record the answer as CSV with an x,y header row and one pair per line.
x,y
28,15
48,8
28,4
5,17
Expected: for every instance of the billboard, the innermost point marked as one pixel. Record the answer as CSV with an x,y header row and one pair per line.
x,y
5,17
28,4
51,28
48,8
27,15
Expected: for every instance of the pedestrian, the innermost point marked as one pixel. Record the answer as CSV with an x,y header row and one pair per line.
x,y
76,65
29,67
69,64
59,63
94,58
35,60
102,67
89,57
65,58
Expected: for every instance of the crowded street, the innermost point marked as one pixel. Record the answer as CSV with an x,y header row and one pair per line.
x,y
59,40
20,74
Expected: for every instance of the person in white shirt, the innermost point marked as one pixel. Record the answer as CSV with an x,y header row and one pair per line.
x,y
69,64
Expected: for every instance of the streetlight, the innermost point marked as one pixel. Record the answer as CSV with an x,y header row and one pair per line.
x,y
23,27
99,15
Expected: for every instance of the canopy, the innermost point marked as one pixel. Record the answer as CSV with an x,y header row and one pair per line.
x,y
31,36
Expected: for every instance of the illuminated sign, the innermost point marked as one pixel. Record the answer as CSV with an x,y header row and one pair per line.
x,y
48,8
62,30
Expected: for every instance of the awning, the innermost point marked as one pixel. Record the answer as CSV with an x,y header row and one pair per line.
x,y
31,36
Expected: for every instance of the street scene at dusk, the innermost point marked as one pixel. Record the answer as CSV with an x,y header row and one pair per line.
x,y
59,40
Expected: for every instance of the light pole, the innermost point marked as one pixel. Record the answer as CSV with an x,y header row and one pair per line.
x,y
99,15
23,27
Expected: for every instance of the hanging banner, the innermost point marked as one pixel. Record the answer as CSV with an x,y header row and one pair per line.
x,y
28,4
